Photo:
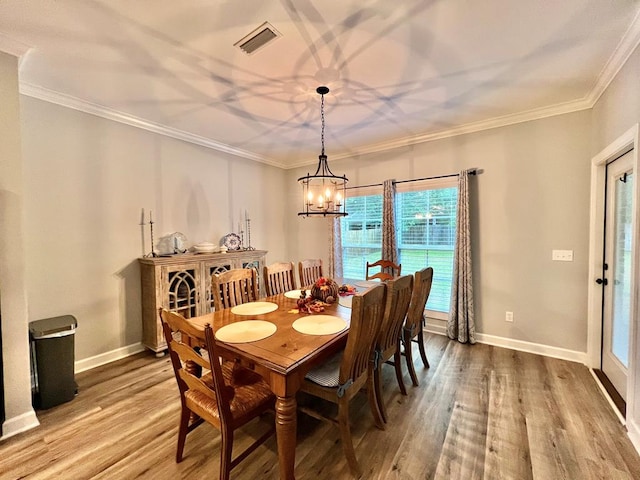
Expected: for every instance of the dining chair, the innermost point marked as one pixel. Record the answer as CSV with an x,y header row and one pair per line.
x,y
310,271
341,377
388,341
413,330
234,287
279,278
388,270
227,397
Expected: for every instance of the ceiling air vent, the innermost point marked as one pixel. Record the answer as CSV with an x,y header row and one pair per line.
x,y
257,39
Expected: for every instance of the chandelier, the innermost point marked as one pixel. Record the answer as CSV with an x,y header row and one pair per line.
x,y
323,192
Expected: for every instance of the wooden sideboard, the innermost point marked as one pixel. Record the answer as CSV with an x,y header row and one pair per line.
x,y
182,283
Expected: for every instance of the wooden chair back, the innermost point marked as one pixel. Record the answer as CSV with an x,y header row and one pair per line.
x,y
366,318
388,270
184,342
309,270
234,287
279,278
399,293
421,289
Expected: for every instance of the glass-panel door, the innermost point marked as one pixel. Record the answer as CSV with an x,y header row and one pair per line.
x,y
617,290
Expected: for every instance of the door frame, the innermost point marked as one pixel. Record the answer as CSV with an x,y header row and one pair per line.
x,y
599,163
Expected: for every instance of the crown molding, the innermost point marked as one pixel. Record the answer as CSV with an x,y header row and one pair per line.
x,y
503,121
13,47
628,43
75,103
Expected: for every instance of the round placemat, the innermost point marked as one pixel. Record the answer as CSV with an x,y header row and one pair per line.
x,y
295,294
245,331
319,325
346,301
254,308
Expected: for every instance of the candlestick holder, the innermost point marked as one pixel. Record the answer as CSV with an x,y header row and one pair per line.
x,y
153,252
249,247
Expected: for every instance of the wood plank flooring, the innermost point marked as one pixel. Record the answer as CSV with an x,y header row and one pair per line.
x,y
480,412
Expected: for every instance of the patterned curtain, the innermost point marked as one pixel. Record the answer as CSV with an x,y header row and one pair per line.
x,y
335,252
389,246
461,324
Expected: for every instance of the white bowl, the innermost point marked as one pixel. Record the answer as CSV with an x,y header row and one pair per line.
x,y
205,248
205,245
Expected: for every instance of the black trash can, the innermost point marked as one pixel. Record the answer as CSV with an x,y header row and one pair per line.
x,y
53,358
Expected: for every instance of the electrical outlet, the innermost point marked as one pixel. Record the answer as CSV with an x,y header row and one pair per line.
x,y
562,255
508,317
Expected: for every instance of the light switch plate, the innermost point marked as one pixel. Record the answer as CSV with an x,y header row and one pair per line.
x,y
562,255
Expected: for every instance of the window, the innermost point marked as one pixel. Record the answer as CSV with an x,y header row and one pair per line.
x,y
426,236
425,233
361,234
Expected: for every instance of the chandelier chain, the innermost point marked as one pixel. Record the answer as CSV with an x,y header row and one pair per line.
x,y
322,120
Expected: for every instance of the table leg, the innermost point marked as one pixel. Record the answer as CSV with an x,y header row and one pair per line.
x,y
286,428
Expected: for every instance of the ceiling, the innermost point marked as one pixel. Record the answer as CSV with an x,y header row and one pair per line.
x,y
400,72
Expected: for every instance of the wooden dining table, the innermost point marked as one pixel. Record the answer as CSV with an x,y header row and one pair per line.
x,y
282,359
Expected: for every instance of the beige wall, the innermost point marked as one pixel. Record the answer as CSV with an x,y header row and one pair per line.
x,y
532,197
15,339
618,109
86,180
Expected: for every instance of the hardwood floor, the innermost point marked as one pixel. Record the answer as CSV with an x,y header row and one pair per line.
x,y
480,412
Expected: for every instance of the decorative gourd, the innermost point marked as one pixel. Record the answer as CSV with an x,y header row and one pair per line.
x,y
324,288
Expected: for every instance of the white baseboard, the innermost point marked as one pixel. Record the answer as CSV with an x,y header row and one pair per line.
x,y
520,345
540,349
28,420
634,434
19,424
437,328
107,357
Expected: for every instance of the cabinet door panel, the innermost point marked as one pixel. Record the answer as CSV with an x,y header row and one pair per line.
x,y
181,290
212,268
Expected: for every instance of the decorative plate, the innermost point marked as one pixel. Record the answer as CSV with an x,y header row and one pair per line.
x,y
231,241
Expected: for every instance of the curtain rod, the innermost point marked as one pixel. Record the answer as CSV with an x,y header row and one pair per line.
x,y
470,172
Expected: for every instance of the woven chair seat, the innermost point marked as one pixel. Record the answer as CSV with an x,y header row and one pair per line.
x,y
247,391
